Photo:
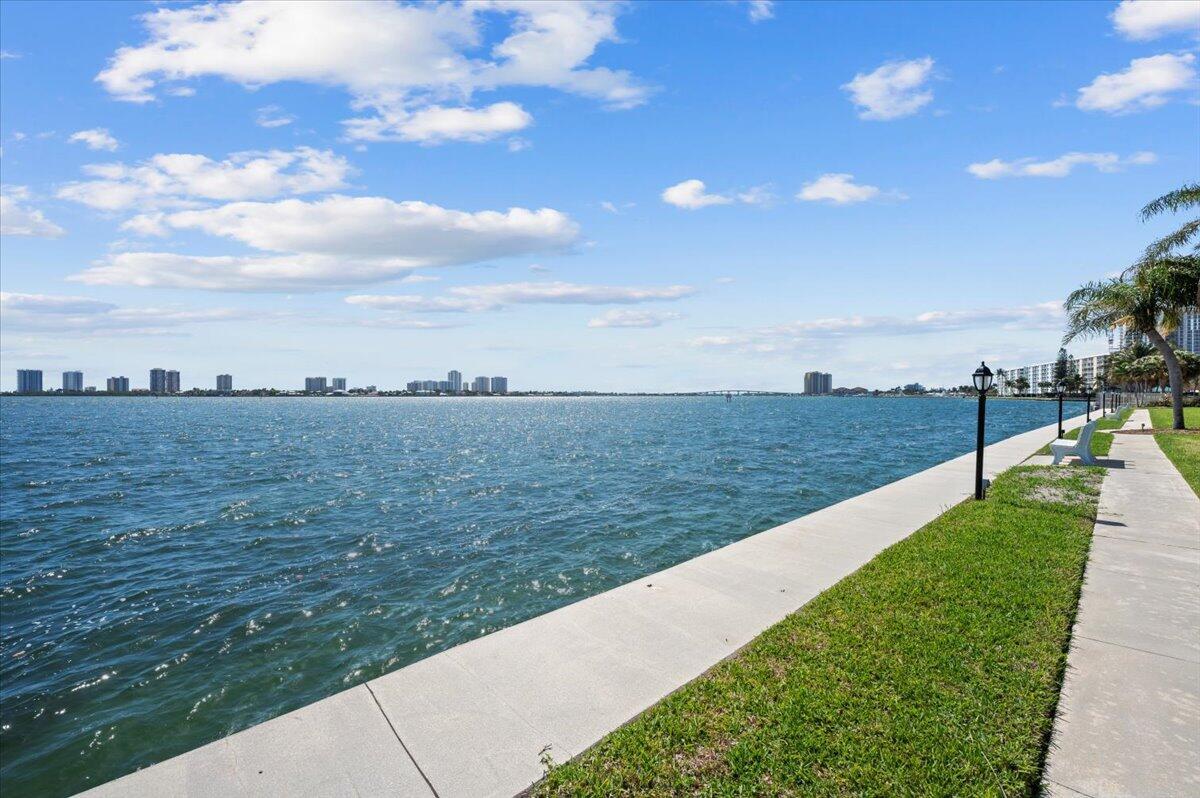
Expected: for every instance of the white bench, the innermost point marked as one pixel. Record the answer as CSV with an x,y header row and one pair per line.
x,y
1081,448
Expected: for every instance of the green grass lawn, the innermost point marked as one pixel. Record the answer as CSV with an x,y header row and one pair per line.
x,y
1182,450
932,670
1101,441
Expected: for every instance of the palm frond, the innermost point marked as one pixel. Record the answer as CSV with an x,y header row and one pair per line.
x,y
1186,197
1180,238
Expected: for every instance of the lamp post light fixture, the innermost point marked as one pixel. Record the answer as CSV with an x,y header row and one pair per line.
x,y
1058,385
982,378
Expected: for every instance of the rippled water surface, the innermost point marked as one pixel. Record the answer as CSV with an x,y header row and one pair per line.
x,y
173,570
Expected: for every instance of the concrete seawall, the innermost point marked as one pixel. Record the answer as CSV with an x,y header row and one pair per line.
x,y
479,719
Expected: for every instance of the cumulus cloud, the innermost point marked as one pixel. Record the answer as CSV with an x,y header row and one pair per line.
x,y
96,138
19,219
632,318
182,180
273,116
1061,166
476,298
74,315
894,90
1142,20
800,334
332,242
438,124
396,60
691,194
760,10
1147,83
837,188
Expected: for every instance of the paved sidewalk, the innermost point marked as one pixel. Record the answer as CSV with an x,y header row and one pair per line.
x,y
1128,721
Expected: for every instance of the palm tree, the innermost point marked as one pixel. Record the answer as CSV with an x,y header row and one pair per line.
x,y
1021,384
1149,302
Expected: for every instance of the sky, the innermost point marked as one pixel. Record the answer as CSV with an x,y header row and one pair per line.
x,y
652,196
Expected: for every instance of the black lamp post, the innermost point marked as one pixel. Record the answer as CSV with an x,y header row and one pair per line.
x,y
982,378
1059,386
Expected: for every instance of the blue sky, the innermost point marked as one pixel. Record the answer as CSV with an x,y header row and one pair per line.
x,y
648,196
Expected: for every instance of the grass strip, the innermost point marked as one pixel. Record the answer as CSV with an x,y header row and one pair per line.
x,y
1182,450
1101,441
932,670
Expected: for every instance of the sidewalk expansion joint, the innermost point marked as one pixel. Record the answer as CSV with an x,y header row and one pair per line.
x,y
411,758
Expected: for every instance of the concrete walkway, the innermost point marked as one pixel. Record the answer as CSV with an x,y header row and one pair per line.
x,y
478,719
1128,720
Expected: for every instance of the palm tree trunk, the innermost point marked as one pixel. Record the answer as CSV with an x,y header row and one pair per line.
x,y
1174,374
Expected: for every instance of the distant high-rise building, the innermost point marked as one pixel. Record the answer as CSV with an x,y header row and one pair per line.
x,y
158,380
499,384
224,382
72,382
818,383
118,385
455,380
172,382
429,385
481,385
315,385
29,380
337,384
444,386
1186,336
413,386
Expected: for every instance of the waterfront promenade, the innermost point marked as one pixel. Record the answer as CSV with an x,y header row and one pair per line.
x,y
484,718
1128,720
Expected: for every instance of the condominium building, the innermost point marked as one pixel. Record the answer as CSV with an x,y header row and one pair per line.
x,y
158,380
455,380
117,385
413,386
337,384
1040,376
315,385
818,383
72,382
1186,336
444,386
29,380
224,382
481,385
499,385
172,381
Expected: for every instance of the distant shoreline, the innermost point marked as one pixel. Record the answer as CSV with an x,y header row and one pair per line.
x,y
522,395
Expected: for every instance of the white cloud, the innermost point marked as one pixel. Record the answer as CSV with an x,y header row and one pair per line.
x,y
18,219
1142,20
97,138
837,188
181,180
396,60
273,116
894,90
7,54
1144,85
801,334
477,298
331,242
1061,166
74,315
632,318
692,194
760,10
437,124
